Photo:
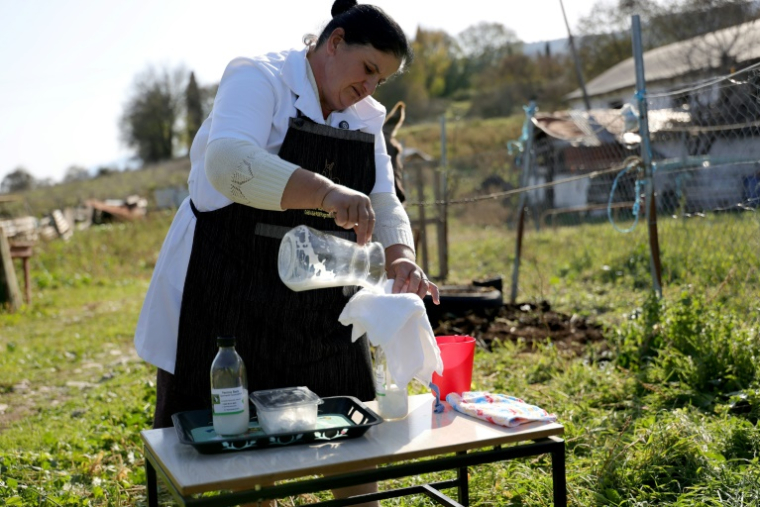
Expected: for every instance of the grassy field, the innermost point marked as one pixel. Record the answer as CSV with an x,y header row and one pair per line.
x,y
467,142
117,185
662,413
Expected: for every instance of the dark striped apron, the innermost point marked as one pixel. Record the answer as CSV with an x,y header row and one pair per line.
x,y
232,287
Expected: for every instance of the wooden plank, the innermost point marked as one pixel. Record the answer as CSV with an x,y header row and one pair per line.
x,y
25,227
9,291
62,225
20,251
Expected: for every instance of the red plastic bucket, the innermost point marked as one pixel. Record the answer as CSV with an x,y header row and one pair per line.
x,y
457,353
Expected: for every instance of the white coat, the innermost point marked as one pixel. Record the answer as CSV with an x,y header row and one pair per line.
x,y
254,103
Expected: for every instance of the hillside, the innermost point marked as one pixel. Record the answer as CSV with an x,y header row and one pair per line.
x,y
118,185
467,141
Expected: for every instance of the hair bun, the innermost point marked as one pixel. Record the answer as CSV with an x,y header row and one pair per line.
x,y
341,6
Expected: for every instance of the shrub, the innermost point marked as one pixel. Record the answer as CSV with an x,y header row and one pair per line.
x,y
699,349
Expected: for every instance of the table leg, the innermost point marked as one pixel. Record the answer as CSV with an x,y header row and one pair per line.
x,y
150,475
27,287
463,488
558,475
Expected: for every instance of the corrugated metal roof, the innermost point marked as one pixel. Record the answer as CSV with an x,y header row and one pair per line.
x,y
604,126
741,42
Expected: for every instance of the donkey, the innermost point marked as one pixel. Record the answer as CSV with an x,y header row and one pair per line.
x,y
393,122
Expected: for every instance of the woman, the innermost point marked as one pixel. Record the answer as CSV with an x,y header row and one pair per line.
x,y
293,138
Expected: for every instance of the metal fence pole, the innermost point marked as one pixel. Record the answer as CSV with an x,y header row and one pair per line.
x,y
646,155
443,223
526,163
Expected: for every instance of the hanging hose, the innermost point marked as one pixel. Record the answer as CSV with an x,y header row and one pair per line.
x,y
637,193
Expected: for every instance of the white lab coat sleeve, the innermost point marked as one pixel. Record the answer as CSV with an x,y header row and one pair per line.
x,y
245,102
392,226
247,174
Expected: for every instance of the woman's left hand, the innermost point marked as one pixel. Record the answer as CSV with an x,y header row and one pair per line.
x,y
408,277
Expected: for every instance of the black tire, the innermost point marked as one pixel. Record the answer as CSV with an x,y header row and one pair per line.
x,y
457,300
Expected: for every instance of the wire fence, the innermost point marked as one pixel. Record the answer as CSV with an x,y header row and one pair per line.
x,y
662,194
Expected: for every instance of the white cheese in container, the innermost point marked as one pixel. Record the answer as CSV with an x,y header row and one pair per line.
x,y
286,410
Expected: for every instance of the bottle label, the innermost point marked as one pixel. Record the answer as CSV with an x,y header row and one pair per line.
x,y
380,381
229,401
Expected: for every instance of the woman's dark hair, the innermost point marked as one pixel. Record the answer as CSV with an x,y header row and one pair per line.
x,y
367,24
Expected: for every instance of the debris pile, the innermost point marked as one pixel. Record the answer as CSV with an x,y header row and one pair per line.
x,y
527,323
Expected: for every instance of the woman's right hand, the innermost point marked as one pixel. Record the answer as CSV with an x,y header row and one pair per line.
x,y
351,210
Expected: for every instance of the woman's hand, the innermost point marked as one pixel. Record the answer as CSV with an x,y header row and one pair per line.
x,y
351,210
406,274
409,277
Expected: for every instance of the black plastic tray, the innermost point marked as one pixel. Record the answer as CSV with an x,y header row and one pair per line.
x,y
338,417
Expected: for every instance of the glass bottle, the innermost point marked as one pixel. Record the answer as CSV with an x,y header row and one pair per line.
x,y
392,400
229,390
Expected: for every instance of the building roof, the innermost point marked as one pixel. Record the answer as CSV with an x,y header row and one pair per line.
x,y
741,42
604,126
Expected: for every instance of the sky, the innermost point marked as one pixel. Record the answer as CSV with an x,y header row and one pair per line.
x,y
67,67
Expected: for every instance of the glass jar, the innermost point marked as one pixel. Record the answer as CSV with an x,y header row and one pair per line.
x,y
392,400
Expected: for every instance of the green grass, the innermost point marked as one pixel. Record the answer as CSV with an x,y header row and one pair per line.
x,y
77,397
76,394
663,413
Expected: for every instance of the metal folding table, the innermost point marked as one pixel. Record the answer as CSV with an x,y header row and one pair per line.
x,y
423,442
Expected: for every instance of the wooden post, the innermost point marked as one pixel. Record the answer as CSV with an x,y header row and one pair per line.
x,y
23,250
9,291
526,161
443,191
422,219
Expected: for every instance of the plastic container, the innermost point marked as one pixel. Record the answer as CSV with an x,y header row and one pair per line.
x,y
286,410
457,353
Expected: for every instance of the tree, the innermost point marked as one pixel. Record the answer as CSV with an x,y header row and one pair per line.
x,y
19,180
605,34
503,88
424,80
434,51
484,64
663,23
76,173
105,171
150,119
208,94
486,44
555,78
193,109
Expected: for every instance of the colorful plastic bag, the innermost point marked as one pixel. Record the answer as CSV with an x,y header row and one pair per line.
x,y
498,408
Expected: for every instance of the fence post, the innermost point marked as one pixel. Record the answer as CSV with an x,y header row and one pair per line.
x,y
443,223
9,291
527,137
422,218
646,155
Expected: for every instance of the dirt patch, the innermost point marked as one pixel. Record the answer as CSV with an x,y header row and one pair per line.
x,y
526,322
16,403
